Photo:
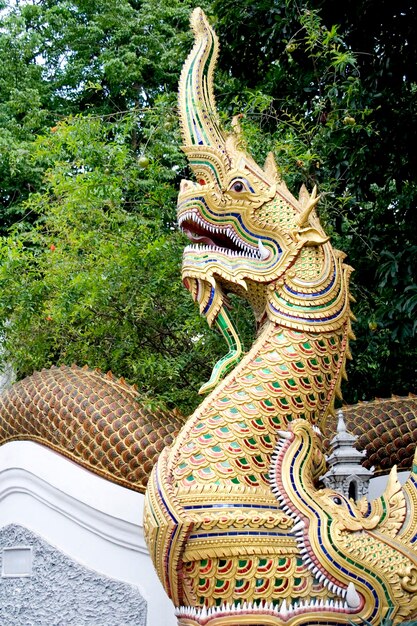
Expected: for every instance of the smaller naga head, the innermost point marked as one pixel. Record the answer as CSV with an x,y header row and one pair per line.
x,y
249,235
351,548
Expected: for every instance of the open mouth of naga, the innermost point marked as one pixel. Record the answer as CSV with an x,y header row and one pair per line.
x,y
223,239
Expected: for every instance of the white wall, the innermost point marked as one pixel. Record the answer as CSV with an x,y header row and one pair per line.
x,y
90,519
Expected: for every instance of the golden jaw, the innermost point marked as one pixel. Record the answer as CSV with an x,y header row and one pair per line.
x,y
226,242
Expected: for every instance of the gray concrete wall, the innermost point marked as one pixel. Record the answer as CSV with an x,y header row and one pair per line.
x,y
41,586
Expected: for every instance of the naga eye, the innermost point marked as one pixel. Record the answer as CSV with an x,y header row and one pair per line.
x,y
237,186
337,500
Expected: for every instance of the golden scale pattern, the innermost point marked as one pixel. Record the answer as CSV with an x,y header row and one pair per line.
x,y
386,428
225,457
379,554
310,261
278,212
56,407
91,418
287,377
263,578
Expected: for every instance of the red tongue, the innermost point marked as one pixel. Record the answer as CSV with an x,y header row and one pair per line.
x,y
198,238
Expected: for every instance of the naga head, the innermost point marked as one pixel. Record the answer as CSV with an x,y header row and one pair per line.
x,y
249,235
355,550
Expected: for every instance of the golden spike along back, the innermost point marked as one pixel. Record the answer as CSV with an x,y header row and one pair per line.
x,y
238,530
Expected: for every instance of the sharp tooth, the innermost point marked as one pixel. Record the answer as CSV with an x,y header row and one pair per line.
x,y
298,526
352,597
264,253
283,609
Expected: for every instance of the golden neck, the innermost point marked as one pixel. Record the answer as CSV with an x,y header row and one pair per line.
x,y
287,374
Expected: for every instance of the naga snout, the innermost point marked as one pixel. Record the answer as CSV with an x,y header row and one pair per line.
x,y
187,185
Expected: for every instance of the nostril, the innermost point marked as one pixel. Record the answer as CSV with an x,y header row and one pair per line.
x,y
185,185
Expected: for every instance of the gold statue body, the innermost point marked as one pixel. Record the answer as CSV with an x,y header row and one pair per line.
x,y
236,526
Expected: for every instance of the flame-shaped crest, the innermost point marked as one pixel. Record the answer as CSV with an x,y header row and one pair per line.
x,y
212,153
199,120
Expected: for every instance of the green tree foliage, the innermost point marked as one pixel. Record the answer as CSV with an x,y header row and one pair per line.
x,y
90,166
96,280
90,270
61,57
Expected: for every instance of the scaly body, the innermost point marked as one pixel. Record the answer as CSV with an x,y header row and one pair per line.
x,y
92,418
236,526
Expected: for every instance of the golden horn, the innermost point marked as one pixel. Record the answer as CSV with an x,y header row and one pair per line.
x,y
305,214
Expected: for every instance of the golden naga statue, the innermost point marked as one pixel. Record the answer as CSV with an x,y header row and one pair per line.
x,y
237,525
